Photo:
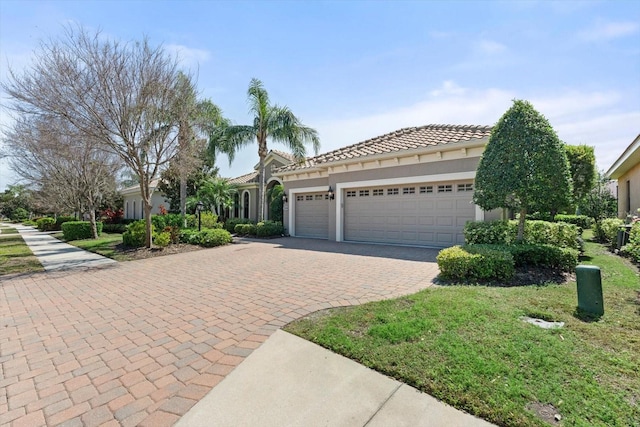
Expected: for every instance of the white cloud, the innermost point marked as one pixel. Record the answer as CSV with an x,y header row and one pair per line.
x,y
449,87
603,31
489,47
187,56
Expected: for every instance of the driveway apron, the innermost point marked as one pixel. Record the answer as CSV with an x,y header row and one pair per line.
x,y
141,342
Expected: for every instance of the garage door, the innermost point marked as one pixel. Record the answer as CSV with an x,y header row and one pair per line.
x,y
432,214
312,215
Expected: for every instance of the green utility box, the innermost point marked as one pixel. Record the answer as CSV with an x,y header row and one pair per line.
x,y
590,289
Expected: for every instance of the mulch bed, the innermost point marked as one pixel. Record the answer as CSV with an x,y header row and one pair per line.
x,y
144,253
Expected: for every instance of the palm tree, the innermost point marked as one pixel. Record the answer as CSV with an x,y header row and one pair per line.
x,y
197,121
215,193
270,121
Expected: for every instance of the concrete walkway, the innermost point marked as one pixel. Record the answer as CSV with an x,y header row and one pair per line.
x,y
195,338
54,254
289,381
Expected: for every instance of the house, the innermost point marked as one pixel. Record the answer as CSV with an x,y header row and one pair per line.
x,y
413,186
133,205
626,170
246,202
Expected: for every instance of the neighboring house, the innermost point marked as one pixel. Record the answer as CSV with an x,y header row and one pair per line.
x,y
246,201
626,170
413,186
133,205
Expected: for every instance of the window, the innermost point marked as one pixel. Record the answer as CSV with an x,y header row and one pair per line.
x,y
465,187
141,209
409,190
351,193
448,188
236,206
126,210
134,209
309,197
246,204
364,193
378,192
426,190
299,198
392,191
319,197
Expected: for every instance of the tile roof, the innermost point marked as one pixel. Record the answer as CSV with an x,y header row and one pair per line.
x,y
287,156
244,179
397,141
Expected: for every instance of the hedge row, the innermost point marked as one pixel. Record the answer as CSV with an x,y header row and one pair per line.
x,y
535,232
261,229
77,230
606,231
632,249
207,238
498,262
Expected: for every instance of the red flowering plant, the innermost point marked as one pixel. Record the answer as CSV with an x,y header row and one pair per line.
x,y
111,216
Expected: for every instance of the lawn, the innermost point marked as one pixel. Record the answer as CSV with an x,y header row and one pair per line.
x,y
15,255
108,244
467,346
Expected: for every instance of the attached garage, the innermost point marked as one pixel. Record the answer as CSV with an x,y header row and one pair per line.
x,y
311,215
432,214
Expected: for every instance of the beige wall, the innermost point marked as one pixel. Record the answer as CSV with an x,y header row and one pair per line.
x,y
633,176
157,199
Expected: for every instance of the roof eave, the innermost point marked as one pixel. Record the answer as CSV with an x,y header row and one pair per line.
x,y
628,159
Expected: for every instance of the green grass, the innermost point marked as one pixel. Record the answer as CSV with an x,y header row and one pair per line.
x,y
466,346
105,245
15,255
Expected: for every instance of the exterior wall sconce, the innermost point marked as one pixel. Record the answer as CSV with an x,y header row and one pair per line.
x,y
284,198
331,195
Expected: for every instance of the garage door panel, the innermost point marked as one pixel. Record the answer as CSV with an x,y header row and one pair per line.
x,y
312,215
408,218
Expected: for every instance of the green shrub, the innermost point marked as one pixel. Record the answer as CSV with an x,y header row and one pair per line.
x,y
231,223
162,239
606,231
77,230
247,229
160,222
540,255
174,233
19,214
62,219
30,223
186,235
581,221
211,237
46,224
135,234
490,233
471,263
269,228
632,249
114,228
535,232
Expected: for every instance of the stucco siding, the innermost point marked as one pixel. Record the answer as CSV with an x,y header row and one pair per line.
x,y
629,201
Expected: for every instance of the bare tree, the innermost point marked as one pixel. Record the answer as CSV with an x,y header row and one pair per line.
x,y
118,95
69,171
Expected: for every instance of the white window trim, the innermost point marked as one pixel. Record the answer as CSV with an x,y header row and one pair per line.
x,y
457,176
291,196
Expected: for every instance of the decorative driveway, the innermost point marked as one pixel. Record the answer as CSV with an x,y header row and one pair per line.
x,y
139,343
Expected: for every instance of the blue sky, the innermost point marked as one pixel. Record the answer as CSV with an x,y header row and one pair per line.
x,y
357,69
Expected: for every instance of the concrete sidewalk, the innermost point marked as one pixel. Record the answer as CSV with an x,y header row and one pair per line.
x,y
54,254
291,382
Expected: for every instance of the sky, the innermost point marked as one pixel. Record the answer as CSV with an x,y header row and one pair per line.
x,y
354,70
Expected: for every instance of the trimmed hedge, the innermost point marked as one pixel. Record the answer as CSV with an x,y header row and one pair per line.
x,y
168,220
246,229
581,221
231,223
269,228
77,230
632,249
62,219
210,238
46,224
606,231
535,232
475,263
162,239
114,228
540,255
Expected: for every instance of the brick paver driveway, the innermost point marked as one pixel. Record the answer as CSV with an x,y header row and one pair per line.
x,y
141,342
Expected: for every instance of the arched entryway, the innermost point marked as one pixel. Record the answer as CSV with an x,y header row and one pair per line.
x,y
267,200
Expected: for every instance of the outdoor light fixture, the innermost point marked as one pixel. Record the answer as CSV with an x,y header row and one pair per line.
x,y
199,207
284,198
331,195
